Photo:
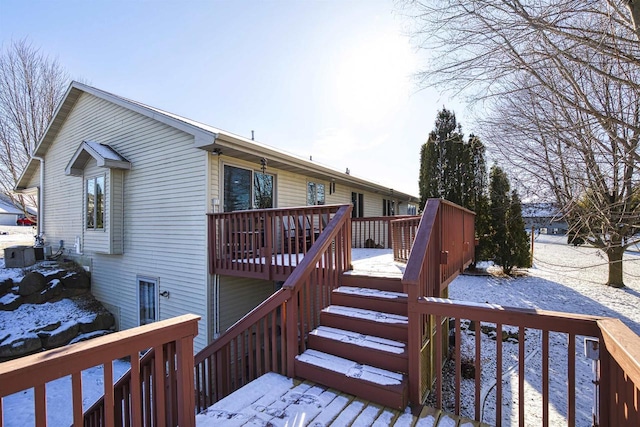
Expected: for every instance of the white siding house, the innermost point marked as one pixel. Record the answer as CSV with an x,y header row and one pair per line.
x,y
125,190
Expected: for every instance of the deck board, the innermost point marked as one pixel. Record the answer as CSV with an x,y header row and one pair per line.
x,y
275,400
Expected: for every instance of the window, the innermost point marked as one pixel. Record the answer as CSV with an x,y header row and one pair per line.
x,y
388,207
148,300
357,199
95,203
262,190
315,194
245,189
412,209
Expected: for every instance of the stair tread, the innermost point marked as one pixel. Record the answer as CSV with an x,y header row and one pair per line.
x,y
362,340
371,315
370,292
351,369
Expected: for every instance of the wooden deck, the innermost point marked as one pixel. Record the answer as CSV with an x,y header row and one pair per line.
x,y
275,400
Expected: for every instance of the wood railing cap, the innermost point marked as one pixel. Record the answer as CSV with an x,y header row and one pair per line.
x,y
43,367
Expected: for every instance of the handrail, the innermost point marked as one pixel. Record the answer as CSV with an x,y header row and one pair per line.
x,y
265,339
619,374
441,250
403,234
36,370
618,359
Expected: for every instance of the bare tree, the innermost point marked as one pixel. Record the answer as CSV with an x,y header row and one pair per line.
x,y
560,86
31,85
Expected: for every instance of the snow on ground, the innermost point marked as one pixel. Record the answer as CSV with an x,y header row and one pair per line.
x,y
13,235
563,278
18,408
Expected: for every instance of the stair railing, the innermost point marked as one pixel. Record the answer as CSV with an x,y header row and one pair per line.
x,y
443,247
274,333
403,234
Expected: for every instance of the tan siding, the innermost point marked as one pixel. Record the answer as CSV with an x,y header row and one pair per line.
x,y
238,296
292,190
164,202
116,211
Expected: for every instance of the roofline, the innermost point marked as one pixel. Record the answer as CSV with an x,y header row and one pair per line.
x,y
236,141
204,137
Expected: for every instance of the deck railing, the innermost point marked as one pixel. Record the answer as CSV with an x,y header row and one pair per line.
x,y
264,243
273,334
549,343
373,232
442,249
403,234
172,403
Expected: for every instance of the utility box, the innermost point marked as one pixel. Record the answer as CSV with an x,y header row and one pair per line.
x,y
19,256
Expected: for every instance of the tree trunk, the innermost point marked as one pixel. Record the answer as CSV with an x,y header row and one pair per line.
x,y
615,255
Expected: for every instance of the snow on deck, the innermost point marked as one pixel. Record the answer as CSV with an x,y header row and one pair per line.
x,y
350,368
368,341
370,292
361,313
275,400
376,262
370,262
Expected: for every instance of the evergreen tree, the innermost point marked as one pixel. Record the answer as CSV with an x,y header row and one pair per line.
x,y
499,196
518,238
509,241
441,161
429,181
456,170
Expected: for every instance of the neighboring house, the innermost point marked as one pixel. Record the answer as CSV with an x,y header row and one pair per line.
x,y
545,217
10,213
125,189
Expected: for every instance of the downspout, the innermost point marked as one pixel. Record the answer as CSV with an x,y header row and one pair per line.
x,y
40,196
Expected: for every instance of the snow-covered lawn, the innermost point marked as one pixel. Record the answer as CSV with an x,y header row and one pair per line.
x,y
563,278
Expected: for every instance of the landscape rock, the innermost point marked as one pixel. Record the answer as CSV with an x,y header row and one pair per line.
x,y
20,346
42,290
60,336
53,289
5,286
99,321
77,279
48,328
10,302
32,282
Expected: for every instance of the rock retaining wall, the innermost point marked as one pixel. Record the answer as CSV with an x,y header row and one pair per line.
x,y
68,311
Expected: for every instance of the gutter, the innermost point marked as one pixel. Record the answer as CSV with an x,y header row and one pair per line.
x,y
40,196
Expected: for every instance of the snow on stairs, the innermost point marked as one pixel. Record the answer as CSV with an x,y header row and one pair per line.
x,y
360,345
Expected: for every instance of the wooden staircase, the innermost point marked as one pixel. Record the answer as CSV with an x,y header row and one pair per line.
x,y
360,346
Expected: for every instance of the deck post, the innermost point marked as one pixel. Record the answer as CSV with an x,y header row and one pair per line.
x,y
292,333
186,391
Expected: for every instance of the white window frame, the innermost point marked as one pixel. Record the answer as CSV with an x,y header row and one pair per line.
x,y
94,179
156,295
317,186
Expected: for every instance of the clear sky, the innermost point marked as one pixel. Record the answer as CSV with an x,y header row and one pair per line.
x,y
330,79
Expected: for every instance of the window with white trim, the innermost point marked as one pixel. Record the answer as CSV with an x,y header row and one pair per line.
x,y
357,200
148,300
388,207
95,192
315,194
